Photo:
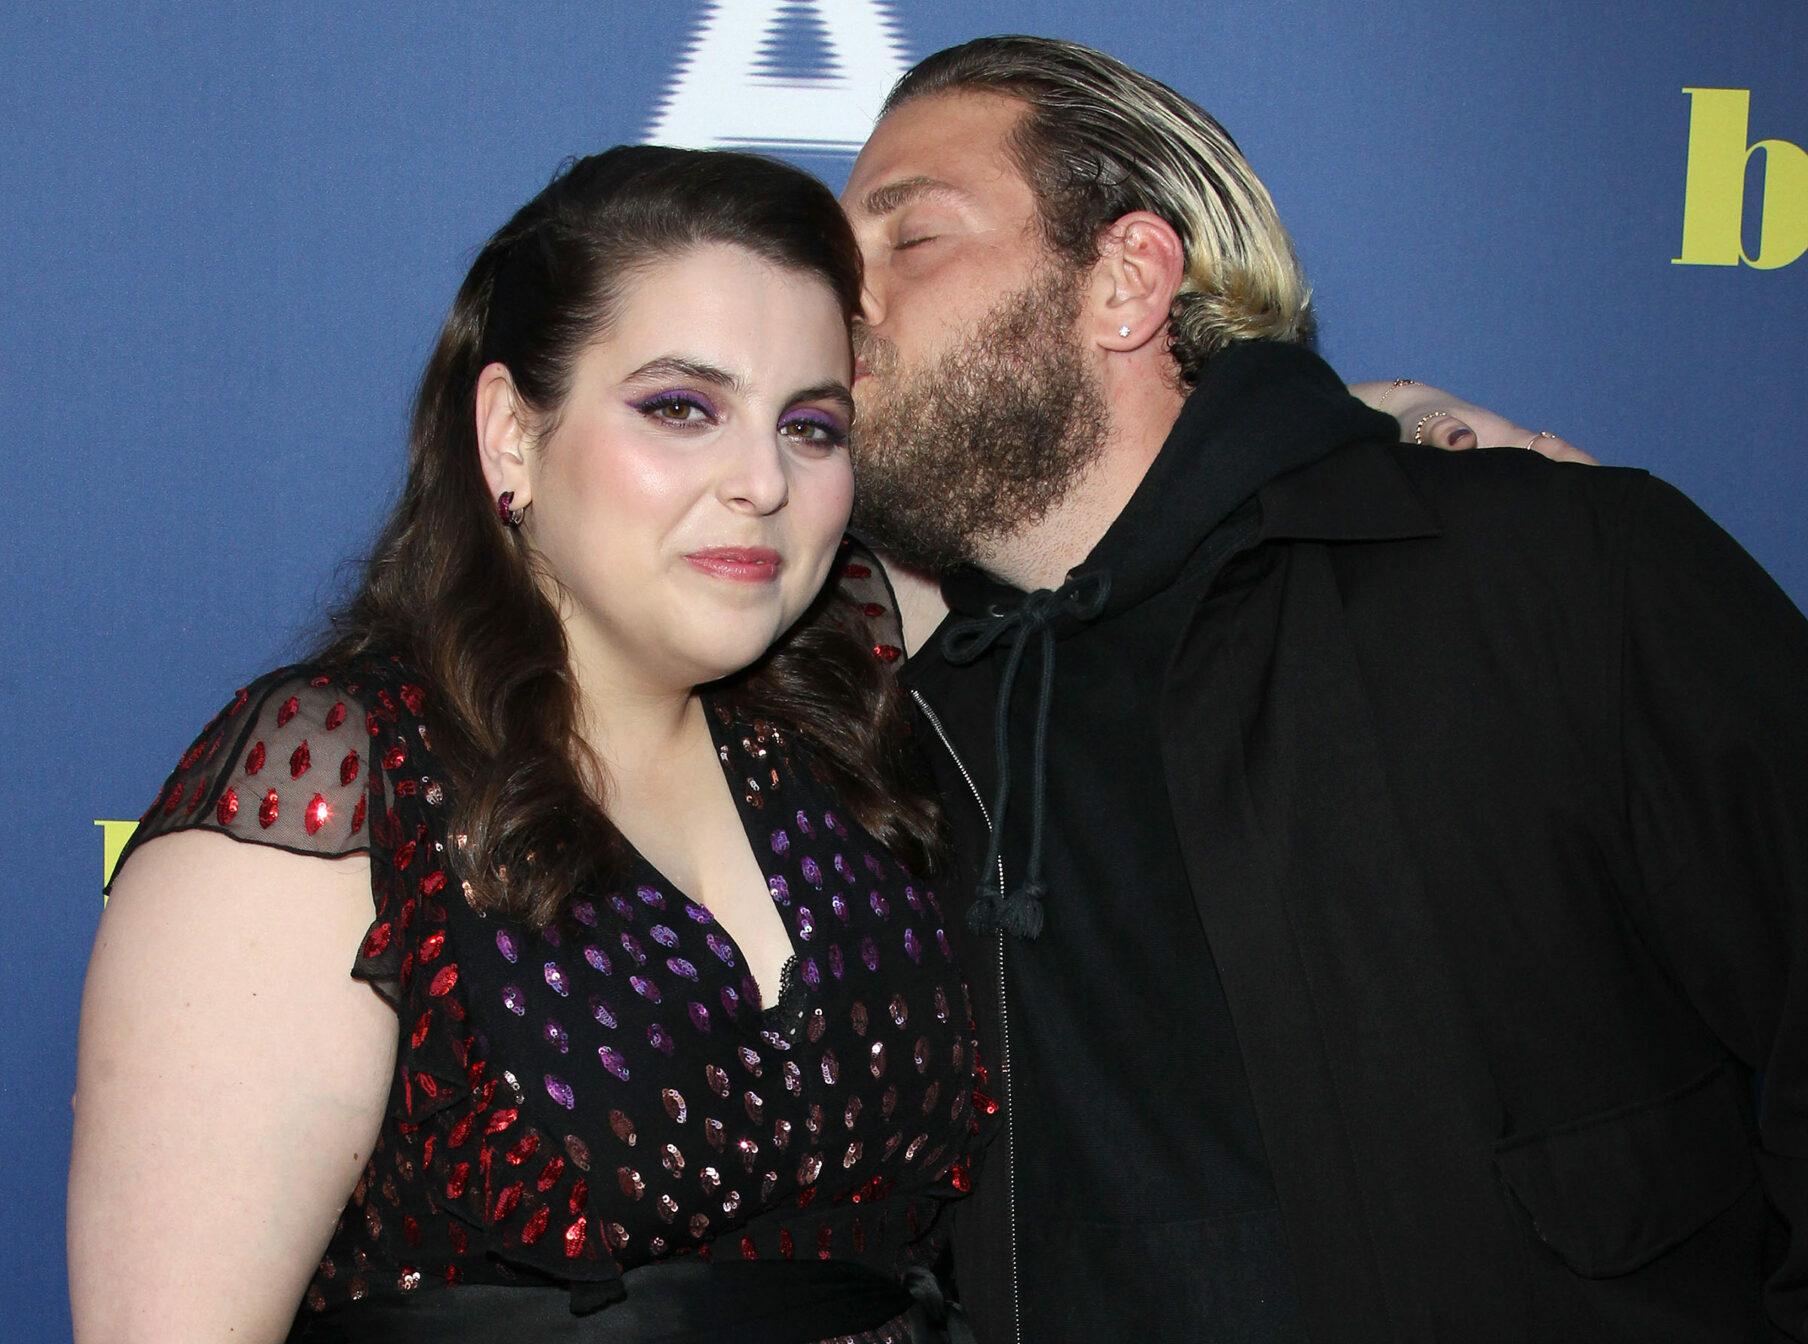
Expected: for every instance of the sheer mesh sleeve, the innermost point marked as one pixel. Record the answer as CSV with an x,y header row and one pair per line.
x,y
862,583
285,763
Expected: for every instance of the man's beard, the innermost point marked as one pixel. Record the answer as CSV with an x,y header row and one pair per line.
x,y
987,440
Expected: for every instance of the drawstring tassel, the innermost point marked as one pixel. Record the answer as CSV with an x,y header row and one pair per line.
x,y
1021,913
982,915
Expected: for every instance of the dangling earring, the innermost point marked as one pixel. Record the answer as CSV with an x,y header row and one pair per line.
x,y
505,510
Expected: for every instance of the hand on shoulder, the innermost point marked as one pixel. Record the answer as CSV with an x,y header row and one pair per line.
x,y
1440,419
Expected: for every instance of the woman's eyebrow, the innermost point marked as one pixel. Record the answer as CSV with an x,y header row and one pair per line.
x,y
834,391
677,366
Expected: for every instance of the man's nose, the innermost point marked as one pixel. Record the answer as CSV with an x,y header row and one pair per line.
x,y
872,305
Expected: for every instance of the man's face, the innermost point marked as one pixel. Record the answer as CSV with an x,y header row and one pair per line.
x,y
977,409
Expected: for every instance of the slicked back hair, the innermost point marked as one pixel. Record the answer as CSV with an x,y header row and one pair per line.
x,y
1098,140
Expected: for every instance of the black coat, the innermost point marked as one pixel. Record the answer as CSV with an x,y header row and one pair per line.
x,y
1496,773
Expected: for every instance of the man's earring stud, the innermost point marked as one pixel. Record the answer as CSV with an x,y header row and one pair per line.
x,y
1123,331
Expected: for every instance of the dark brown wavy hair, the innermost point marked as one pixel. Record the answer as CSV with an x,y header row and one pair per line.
x,y
453,592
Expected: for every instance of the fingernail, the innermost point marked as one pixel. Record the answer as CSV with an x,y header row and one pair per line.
x,y
1463,438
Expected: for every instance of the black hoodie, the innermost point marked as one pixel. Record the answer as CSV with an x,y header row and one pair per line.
x,y
1138,1199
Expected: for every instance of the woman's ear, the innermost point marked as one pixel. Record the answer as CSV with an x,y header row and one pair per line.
x,y
1141,267
503,437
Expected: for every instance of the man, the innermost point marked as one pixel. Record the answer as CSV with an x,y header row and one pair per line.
x,y
1396,859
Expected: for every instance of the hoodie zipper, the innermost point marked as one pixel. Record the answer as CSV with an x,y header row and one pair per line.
x,y
1004,1032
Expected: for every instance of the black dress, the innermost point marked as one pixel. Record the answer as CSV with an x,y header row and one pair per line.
x,y
576,1102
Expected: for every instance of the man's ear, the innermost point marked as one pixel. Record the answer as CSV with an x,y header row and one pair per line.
x,y
1140,269
503,436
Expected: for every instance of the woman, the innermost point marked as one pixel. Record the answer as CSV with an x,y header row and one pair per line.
x,y
666,1041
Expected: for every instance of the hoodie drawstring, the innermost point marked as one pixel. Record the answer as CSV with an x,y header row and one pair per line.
x,y
964,642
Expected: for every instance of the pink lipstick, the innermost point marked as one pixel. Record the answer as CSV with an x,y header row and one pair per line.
x,y
739,564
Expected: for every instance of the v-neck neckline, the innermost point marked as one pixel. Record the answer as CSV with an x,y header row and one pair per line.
x,y
783,1011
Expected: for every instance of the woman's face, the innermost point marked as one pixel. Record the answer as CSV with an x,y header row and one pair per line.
x,y
692,492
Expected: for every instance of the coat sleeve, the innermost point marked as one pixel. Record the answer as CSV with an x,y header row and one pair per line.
x,y
1714,704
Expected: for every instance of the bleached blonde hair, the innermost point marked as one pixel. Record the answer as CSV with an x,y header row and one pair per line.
x,y
1098,140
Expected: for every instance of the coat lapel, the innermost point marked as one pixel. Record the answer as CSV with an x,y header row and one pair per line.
x,y
1356,1037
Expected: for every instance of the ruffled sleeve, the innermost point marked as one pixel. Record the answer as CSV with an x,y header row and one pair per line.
x,y
283,764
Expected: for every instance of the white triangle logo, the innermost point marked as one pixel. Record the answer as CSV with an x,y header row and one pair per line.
x,y
728,95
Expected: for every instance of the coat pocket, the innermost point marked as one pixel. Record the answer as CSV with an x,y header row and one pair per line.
x,y
1612,1192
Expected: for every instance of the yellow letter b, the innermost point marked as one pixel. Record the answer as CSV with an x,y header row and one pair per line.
x,y
1713,208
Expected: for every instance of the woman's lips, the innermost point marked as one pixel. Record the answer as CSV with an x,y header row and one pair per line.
x,y
739,564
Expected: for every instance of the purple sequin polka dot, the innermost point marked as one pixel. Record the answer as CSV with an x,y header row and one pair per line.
x,y
505,944
613,1060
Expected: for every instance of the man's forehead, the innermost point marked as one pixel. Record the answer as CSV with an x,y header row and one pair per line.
x,y
941,144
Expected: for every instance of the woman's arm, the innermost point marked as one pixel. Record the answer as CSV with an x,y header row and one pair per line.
x,y
231,1079
1439,419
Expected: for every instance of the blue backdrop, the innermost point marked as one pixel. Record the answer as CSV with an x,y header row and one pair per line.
x,y
231,231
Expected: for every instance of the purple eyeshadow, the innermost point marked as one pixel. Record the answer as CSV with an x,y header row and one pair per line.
x,y
675,394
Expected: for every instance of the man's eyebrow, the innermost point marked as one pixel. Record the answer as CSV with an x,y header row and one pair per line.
x,y
883,200
676,366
